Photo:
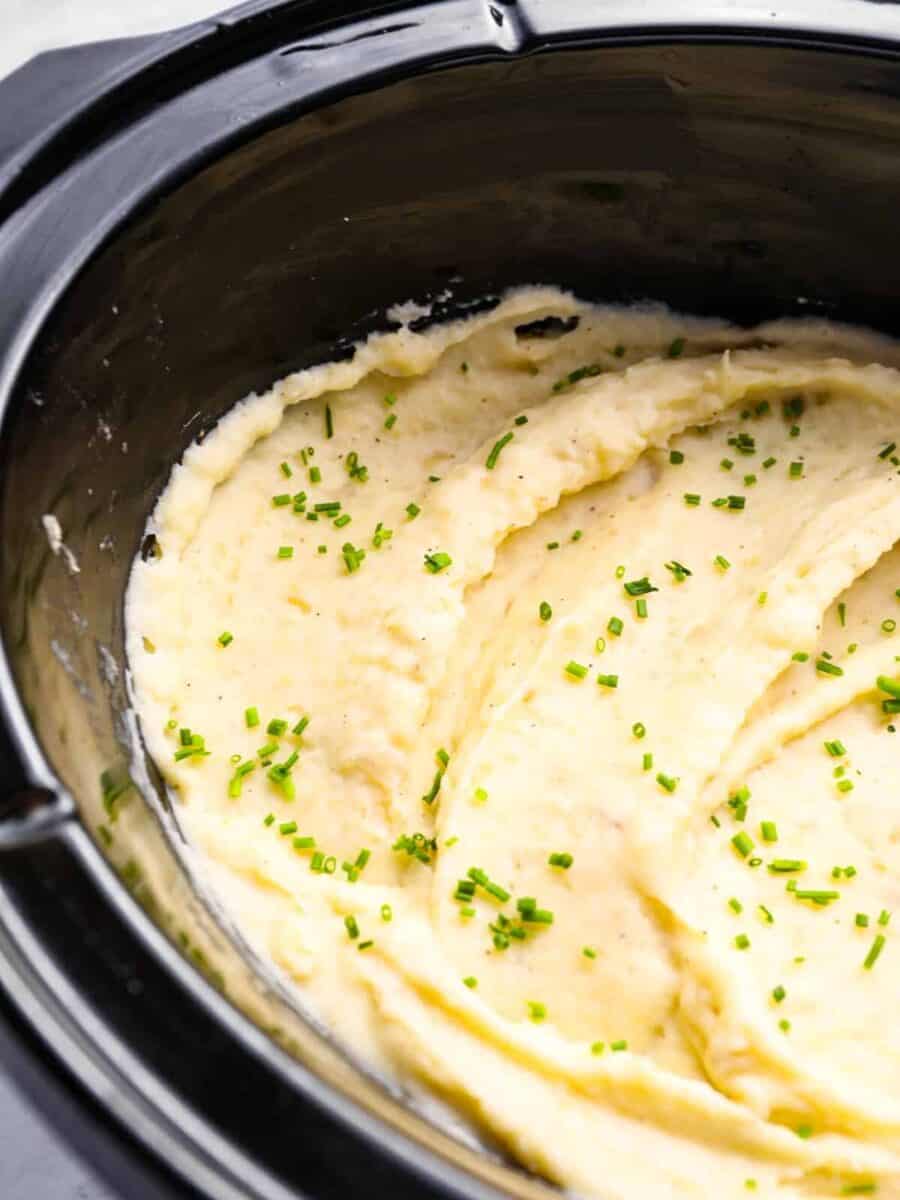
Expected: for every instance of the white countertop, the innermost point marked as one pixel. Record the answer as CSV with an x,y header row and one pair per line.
x,y
30,26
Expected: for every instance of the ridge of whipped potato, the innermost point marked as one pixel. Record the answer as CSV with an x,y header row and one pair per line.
x,y
599,700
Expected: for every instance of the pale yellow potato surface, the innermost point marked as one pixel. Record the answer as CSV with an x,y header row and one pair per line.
x,y
692,1023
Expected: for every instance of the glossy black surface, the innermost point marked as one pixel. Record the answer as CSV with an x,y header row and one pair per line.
x,y
251,214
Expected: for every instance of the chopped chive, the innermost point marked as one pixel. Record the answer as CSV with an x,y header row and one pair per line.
x,y
329,422
679,570
737,502
561,859
470,981
819,896
287,827
735,905
782,866
304,843
722,562
836,748
615,626
742,942
536,1010
888,625
387,912
545,612
861,920
281,500
608,681
354,467
620,572
597,1047
251,717
648,762
521,420
884,917
225,639
276,727
619,1045
676,458
692,498
576,670
888,450
315,475
769,831
553,545
437,562
639,729
795,470
269,820
390,420
676,348
845,785
639,587
600,645
412,511
749,480
576,376
285,551
640,608
769,462
743,843
667,782
342,520
828,668
352,556
351,926
287,470
491,461
588,951
874,952
766,915
726,464
778,994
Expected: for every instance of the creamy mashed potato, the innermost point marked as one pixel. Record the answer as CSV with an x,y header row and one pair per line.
x,y
527,688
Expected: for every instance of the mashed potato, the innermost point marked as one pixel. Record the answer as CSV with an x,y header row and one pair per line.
x,y
527,685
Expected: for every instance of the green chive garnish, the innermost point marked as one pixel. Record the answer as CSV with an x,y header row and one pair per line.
x,y
495,452
437,562
743,843
874,952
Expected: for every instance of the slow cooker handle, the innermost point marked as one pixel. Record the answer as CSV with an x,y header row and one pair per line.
x,y
49,97
52,107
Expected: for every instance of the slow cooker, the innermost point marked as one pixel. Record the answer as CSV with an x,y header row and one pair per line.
x,y
186,218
